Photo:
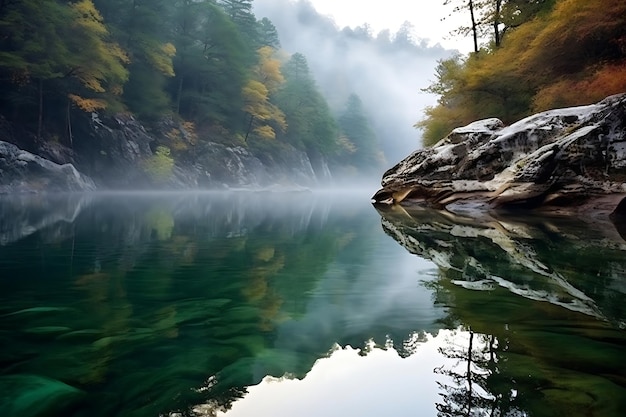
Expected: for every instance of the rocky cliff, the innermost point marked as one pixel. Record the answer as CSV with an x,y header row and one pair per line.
x,y
118,152
570,159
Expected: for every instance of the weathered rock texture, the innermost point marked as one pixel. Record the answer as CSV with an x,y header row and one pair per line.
x,y
22,171
113,152
570,158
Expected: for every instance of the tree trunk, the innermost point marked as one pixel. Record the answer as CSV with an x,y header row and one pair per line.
x,y
249,128
496,24
69,125
179,95
40,118
474,27
469,373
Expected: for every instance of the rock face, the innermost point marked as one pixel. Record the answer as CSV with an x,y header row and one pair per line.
x,y
570,158
114,152
216,165
22,171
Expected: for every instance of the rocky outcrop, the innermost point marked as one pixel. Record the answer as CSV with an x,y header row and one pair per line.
x,y
216,165
118,152
568,159
22,171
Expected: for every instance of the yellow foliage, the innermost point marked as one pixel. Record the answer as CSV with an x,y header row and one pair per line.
x,y
160,56
88,104
268,69
99,64
346,145
89,17
180,138
254,94
265,254
265,132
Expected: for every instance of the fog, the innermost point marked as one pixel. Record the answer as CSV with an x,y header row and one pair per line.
x,y
387,70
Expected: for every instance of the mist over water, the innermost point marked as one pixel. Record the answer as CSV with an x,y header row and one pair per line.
x,y
386,70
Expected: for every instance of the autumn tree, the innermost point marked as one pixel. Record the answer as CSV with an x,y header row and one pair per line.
x,y
48,41
560,54
264,116
142,31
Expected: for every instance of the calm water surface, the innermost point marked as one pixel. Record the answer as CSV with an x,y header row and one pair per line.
x,y
304,304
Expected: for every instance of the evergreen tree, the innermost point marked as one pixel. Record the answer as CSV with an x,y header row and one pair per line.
x,y
355,129
142,28
210,65
310,123
46,41
268,35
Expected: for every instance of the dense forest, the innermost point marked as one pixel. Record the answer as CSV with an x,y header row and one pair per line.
x,y
209,64
540,54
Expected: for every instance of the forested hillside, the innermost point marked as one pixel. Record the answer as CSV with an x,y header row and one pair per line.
x,y
211,65
542,54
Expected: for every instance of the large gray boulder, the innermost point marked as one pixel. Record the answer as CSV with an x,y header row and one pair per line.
x,y
569,159
22,171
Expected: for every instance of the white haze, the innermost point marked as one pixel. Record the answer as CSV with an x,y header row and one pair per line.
x,y
388,81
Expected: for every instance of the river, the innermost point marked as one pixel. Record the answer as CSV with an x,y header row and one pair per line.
x,y
304,304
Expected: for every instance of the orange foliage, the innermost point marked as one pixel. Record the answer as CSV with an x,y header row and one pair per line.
x,y
88,104
604,81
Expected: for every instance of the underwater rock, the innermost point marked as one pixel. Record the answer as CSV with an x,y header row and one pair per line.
x,y
34,395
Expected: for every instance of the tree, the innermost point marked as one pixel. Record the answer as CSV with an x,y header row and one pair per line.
x,y
210,65
354,127
240,12
146,36
469,5
47,40
561,54
268,35
262,113
310,123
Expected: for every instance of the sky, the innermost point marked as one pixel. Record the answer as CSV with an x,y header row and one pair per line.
x,y
390,81
432,20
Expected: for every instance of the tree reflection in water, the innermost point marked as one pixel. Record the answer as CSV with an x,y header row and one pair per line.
x,y
542,302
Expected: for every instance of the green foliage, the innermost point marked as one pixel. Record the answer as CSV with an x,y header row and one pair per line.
x,y
554,54
268,35
210,65
310,123
356,131
209,62
160,165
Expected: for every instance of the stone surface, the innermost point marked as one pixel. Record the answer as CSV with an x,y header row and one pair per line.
x,y
560,159
22,171
114,153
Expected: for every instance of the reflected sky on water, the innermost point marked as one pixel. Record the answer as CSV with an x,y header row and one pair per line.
x,y
303,303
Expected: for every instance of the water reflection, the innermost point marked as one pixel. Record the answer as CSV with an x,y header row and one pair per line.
x,y
128,304
544,297
180,304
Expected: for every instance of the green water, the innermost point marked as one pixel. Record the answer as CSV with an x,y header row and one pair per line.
x,y
186,304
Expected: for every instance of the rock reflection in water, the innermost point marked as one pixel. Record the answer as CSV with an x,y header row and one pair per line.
x,y
544,295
